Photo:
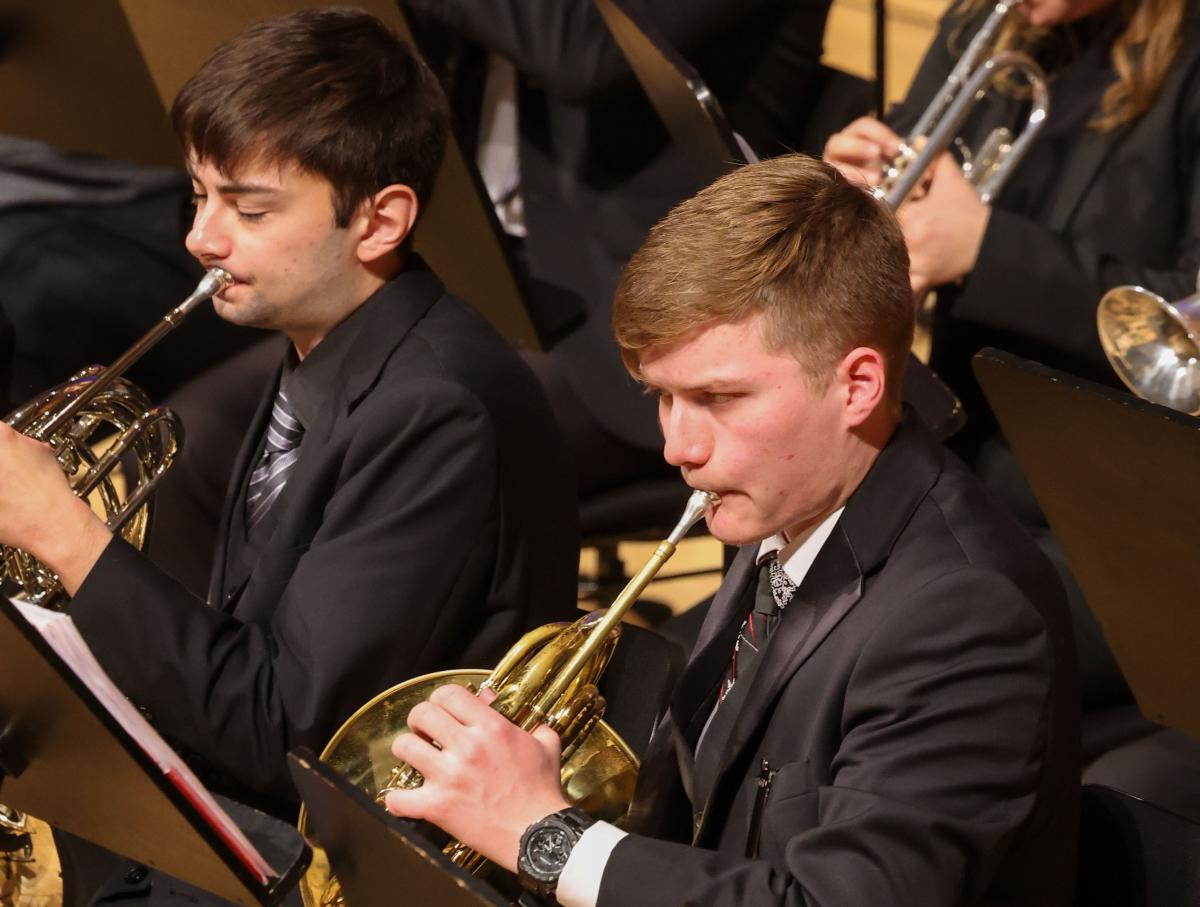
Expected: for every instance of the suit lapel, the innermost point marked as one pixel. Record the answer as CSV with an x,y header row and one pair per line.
x,y
229,574
379,326
1091,79
830,589
874,516
1091,152
712,651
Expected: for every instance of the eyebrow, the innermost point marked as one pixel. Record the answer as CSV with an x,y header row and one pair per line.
x,y
717,385
247,189
235,188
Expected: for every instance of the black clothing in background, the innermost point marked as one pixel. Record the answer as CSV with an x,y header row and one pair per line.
x,y
1083,213
597,167
80,283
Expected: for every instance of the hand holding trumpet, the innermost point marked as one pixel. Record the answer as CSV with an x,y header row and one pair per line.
x,y
943,219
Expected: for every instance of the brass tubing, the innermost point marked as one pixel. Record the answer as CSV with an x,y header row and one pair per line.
x,y
698,503
213,282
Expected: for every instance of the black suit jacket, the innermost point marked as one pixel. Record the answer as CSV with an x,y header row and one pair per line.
x,y
923,733
430,519
597,166
1083,213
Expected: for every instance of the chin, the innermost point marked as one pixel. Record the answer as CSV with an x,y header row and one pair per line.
x,y
735,532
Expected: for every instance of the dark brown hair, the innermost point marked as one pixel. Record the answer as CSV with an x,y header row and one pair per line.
x,y
789,238
332,90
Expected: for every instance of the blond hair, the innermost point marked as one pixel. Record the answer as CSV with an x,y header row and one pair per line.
x,y
789,238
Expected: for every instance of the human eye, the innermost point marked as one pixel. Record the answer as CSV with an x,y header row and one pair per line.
x,y
197,198
252,217
718,398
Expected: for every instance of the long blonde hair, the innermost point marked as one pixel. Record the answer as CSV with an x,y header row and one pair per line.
x,y
1141,55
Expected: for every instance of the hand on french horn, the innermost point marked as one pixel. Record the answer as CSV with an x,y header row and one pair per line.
x,y
486,780
40,515
862,151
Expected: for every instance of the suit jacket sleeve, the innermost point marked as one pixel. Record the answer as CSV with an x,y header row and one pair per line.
x,y
564,44
368,602
944,731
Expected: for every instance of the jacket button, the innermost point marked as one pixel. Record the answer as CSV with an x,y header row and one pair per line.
x,y
136,873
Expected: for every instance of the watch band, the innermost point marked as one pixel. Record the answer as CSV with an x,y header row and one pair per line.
x,y
565,827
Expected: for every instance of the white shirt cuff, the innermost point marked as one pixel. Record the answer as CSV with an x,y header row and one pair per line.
x,y
579,884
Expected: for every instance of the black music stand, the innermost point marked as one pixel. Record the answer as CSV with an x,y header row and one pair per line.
x,y
64,759
378,862
691,113
1117,479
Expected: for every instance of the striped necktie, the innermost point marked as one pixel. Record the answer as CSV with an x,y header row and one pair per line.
x,y
775,590
281,450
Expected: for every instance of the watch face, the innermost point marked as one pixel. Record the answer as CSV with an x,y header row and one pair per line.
x,y
547,850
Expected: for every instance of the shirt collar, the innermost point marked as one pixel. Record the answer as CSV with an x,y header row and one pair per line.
x,y
796,555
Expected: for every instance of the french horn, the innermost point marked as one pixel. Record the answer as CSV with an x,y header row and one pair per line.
x,y
76,417
548,677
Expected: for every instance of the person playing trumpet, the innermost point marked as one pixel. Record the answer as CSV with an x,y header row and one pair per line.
x,y
881,704
1109,194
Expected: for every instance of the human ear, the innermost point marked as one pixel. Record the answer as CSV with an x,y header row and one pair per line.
x,y
386,219
863,375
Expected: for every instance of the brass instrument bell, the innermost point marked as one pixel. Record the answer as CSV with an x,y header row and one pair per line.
x,y
1153,345
548,677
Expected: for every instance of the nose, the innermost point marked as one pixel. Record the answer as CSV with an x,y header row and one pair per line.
x,y
687,442
209,239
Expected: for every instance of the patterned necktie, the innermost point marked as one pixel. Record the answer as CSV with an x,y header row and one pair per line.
x,y
775,590
280,453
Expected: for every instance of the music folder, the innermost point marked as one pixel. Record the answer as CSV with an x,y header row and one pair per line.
x,y
1118,478
67,759
376,858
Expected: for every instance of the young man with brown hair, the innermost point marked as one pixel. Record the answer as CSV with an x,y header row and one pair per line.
x,y
880,707
401,502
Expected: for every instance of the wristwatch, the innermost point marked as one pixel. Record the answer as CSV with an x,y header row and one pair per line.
x,y
545,847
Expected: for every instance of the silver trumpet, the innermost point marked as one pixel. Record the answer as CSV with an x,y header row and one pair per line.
x,y
1153,345
988,168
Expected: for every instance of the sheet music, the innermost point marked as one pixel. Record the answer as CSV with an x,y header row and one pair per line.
x,y
61,634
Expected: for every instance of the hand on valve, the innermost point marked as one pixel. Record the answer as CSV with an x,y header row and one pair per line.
x,y
486,781
943,229
862,150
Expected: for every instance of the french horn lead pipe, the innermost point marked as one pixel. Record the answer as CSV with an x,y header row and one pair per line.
x,y
213,282
697,505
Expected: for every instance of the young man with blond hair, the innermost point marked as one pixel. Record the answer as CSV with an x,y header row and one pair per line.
x,y
880,706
